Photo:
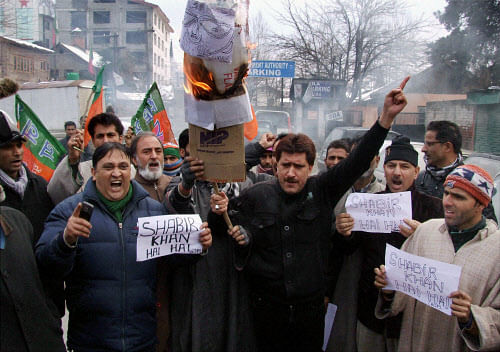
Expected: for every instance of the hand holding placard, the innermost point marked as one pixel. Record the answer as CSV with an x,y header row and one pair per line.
x,y
379,213
427,280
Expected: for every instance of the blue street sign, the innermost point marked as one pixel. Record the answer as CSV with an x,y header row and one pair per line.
x,y
272,69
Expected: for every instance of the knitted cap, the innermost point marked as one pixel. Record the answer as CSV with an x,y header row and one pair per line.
x,y
472,179
171,151
401,149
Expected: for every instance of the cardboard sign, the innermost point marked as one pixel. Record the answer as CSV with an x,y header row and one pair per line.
x,y
168,234
222,150
379,213
427,280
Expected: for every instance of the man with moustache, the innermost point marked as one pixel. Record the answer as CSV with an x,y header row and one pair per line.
x,y
147,156
284,234
336,151
401,169
443,153
110,296
464,238
345,269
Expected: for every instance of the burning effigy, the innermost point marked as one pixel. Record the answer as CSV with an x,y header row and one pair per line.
x,y
216,57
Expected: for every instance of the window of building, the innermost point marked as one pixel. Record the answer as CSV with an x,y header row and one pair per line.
x,y
44,65
102,17
154,59
136,37
79,19
155,18
136,16
140,56
101,37
162,62
79,4
154,39
1,20
162,45
104,1
23,64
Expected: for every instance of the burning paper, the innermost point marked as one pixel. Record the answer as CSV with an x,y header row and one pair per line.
x,y
215,77
208,31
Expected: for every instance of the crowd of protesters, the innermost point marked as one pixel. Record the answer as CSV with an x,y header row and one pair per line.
x,y
260,285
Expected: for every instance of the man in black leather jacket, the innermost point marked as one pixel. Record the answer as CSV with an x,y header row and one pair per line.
x,y
285,236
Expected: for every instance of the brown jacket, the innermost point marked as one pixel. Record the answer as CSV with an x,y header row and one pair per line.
x,y
156,189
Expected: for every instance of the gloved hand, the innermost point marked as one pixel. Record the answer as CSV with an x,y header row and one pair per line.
x,y
188,177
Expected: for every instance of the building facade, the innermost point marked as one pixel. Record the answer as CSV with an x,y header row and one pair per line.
x,y
23,61
133,35
29,20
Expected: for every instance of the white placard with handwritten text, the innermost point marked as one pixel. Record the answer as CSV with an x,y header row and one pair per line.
x,y
168,234
427,280
379,213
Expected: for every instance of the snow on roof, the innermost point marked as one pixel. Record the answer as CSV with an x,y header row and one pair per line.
x,y
58,84
29,44
84,54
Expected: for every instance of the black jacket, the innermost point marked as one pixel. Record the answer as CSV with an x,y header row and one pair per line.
x,y
434,186
291,234
424,207
26,323
36,203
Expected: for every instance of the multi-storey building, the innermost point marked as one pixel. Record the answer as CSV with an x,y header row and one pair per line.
x,y
29,20
132,34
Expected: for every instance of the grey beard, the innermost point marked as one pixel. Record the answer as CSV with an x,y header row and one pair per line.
x,y
150,175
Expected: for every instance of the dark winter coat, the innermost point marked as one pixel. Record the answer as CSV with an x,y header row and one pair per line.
x,y
36,203
291,234
110,296
26,322
424,207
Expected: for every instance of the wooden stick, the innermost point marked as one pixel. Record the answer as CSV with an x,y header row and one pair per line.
x,y
225,215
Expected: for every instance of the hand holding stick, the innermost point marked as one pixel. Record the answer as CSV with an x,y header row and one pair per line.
x,y
225,215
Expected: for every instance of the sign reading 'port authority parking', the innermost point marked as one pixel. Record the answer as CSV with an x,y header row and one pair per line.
x,y
272,69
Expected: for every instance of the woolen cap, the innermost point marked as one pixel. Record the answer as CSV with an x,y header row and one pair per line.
x,y
472,179
401,149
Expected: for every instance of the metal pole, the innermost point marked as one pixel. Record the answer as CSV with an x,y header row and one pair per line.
x,y
281,93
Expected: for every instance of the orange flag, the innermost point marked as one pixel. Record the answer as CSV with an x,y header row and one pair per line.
x,y
251,128
96,107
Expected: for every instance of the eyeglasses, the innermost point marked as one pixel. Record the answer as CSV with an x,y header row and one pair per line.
x,y
430,144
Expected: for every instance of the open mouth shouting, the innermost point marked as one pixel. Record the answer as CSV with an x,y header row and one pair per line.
x,y
116,185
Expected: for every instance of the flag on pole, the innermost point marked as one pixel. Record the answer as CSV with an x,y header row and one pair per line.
x,y
91,62
55,31
42,151
152,116
96,107
250,129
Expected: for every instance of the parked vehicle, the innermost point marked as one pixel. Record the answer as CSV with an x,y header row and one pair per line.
x,y
344,132
490,163
280,119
